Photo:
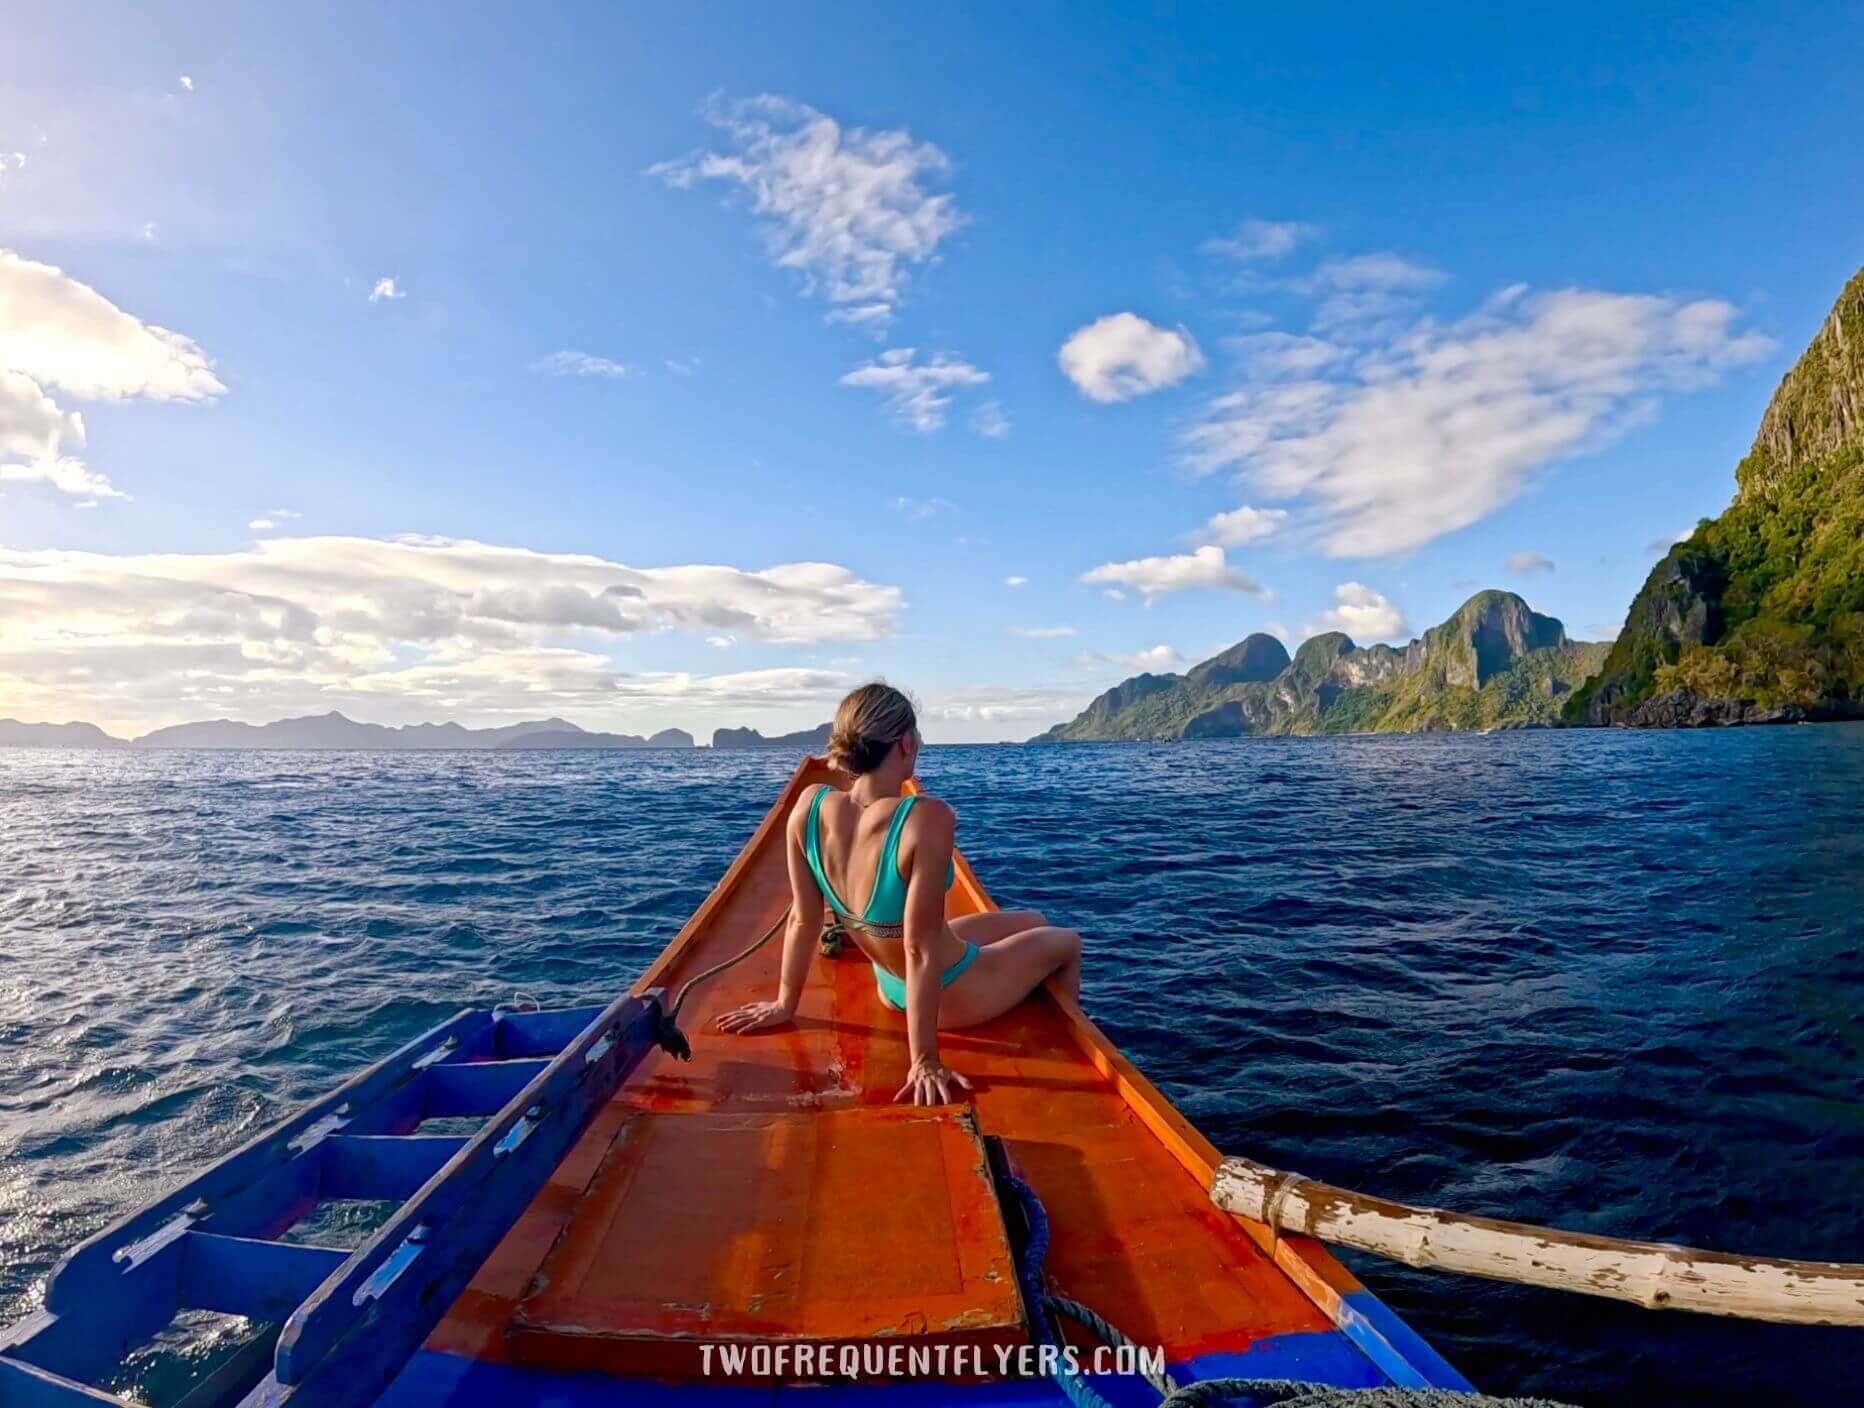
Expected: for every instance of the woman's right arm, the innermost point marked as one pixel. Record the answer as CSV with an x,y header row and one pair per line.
x,y
799,939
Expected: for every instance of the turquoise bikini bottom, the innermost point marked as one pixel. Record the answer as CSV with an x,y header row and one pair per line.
x,y
893,990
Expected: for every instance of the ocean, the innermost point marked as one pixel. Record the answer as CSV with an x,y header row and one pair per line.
x,y
1611,981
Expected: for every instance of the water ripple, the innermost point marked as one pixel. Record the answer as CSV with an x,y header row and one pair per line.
x,y
1611,981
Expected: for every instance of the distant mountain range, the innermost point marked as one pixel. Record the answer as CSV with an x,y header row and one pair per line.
x,y
333,730
807,739
1496,663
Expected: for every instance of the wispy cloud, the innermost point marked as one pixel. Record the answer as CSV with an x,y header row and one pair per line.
x,y
1520,564
1362,291
850,210
1155,577
917,394
1160,658
386,290
1261,240
1042,632
187,83
572,363
1121,356
1015,581
922,508
1433,426
63,335
989,421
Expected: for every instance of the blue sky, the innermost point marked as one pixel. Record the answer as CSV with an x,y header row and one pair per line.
x,y
1251,319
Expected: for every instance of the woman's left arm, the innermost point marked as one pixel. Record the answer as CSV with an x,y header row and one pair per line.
x,y
929,835
799,941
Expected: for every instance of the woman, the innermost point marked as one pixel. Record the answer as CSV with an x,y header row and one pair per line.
x,y
883,863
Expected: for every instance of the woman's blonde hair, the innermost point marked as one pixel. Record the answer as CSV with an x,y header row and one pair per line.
x,y
867,725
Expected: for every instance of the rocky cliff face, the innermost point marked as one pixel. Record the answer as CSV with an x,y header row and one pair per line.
x,y
1759,615
1495,663
806,740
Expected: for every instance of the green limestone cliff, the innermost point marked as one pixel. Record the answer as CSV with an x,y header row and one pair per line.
x,y
1159,706
1494,664
1758,616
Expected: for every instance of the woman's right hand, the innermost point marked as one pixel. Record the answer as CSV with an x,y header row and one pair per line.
x,y
754,1016
931,1083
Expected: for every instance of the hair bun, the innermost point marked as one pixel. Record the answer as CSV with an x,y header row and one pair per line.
x,y
869,722
853,754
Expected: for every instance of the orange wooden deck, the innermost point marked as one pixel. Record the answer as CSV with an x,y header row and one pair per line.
x,y
1121,1173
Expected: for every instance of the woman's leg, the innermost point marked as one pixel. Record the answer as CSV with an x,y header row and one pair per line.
x,y
986,929
1003,974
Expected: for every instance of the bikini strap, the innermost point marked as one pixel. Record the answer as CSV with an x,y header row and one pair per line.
x,y
812,846
889,870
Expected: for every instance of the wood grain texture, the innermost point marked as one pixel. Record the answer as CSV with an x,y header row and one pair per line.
x,y
1656,1275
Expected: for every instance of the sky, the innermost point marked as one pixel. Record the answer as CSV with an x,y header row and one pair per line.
x,y
657,366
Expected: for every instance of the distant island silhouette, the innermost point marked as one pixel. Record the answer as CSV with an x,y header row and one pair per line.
x,y
335,731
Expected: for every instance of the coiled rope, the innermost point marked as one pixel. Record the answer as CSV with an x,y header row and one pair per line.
x,y
1260,1393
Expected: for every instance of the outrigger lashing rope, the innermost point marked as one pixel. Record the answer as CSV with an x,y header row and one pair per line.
x,y
1258,1393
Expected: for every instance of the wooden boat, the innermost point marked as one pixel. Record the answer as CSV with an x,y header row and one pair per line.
x,y
622,1211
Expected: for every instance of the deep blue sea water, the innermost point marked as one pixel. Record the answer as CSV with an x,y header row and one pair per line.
x,y
1607,980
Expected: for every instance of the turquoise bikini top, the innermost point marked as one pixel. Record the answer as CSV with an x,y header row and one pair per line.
x,y
885,914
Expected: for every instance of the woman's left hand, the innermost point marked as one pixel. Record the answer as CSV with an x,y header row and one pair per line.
x,y
754,1016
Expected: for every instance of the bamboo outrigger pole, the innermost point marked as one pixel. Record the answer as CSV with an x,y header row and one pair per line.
x,y
1651,1274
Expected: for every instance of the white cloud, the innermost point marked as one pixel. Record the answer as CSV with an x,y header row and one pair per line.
x,y
1261,240
58,333
148,230
67,476
1438,425
1154,577
386,289
917,394
1114,594
1042,632
570,363
1659,546
11,162
187,83
1524,562
283,513
1121,356
1159,659
1361,613
437,624
65,334
686,368
1242,526
851,210
1015,581
990,421
262,525
922,508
